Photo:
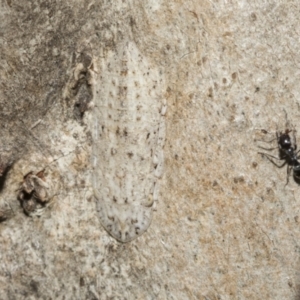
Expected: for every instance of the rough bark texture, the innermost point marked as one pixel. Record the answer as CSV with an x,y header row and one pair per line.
x,y
226,226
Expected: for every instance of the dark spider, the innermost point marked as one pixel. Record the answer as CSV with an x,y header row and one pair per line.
x,y
287,152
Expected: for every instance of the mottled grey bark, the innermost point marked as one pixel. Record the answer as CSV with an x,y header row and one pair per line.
x,y
225,225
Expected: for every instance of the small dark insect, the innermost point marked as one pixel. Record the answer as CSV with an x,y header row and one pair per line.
x,y
33,192
287,152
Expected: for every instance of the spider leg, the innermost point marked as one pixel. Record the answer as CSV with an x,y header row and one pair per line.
x,y
268,149
297,154
268,156
287,123
295,141
289,168
269,142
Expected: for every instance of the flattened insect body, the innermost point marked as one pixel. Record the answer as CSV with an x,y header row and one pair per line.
x,y
124,221
128,139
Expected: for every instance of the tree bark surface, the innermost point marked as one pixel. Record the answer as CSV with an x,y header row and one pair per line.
x,y
225,224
